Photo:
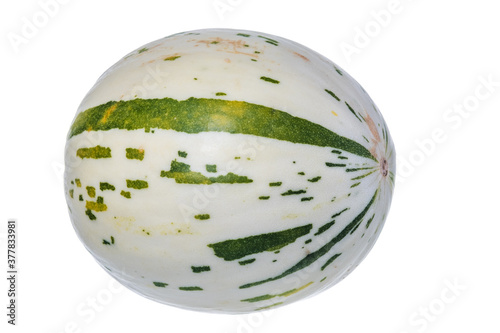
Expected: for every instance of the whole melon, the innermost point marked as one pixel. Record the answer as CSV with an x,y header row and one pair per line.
x,y
228,171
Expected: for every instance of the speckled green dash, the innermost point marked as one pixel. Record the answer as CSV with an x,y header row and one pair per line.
x,y
314,180
275,184
329,261
194,288
352,110
160,284
126,194
94,152
246,262
292,192
202,216
103,186
335,165
96,206
324,228
211,167
268,79
200,269
182,153
332,94
264,197
91,216
172,58
137,184
134,154
220,94
91,191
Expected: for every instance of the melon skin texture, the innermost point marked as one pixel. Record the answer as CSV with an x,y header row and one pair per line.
x,y
228,171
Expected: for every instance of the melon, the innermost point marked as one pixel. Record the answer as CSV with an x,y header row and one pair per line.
x,y
228,171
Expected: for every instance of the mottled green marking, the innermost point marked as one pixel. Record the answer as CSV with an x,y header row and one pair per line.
x,y
306,199
335,151
106,242
80,197
144,49
329,261
220,94
314,180
246,262
267,38
233,249
103,186
369,221
324,228
302,173
91,191
252,59
194,288
202,216
172,58
343,158
71,193
357,169
126,194
354,185
96,206
291,192
338,70
160,284
182,174
268,79
134,154
94,152
200,269
352,110
308,241
275,184
211,167
256,52
269,296
137,184
272,43
215,42
335,165
91,216
313,256
338,214
182,153
242,35
264,197
100,200
332,94
278,303
196,115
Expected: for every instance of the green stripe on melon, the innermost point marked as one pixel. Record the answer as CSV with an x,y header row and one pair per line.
x,y
196,115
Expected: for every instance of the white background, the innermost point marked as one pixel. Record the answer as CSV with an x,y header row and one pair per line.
x,y
435,266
